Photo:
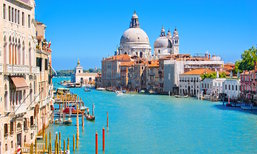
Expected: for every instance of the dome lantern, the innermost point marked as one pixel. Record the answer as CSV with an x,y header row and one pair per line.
x,y
134,21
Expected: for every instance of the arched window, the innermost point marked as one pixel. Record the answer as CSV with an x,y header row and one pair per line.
x,y
19,52
10,50
5,43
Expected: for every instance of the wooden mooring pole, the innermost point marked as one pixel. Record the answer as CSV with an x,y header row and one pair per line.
x,y
103,139
96,143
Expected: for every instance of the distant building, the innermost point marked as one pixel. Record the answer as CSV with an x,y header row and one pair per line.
x,y
175,65
231,87
248,84
190,81
212,87
83,77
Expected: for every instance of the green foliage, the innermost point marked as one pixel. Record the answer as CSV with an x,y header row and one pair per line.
x,y
213,75
249,57
222,75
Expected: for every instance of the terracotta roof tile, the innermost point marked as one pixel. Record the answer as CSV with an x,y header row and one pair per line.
x,y
198,71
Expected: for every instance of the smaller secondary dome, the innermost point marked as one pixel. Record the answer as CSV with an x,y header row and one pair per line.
x,y
162,42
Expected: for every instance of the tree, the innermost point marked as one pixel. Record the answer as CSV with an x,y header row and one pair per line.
x,y
249,58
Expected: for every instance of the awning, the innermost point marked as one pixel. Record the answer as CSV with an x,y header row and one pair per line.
x,y
19,83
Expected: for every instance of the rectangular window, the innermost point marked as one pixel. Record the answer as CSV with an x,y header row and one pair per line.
x,y
9,13
11,127
18,16
15,16
12,14
39,63
4,11
22,20
29,21
46,64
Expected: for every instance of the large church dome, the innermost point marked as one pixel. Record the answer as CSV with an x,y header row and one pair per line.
x,y
135,41
134,35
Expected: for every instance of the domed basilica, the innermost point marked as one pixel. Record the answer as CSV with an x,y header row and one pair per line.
x,y
135,42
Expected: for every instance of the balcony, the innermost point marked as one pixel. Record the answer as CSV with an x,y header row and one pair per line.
x,y
17,69
35,70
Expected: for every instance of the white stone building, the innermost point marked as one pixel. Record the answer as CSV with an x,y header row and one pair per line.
x,y
231,87
83,77
173,67
212,86
190,82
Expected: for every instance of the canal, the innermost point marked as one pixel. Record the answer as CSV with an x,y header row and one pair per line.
x,y
162,124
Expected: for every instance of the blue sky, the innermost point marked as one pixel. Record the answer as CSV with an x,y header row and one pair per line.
x,y
91,30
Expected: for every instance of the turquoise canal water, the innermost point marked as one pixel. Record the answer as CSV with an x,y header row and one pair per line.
x,y
163,124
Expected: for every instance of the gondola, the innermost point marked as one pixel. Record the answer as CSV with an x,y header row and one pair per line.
x,y
90,117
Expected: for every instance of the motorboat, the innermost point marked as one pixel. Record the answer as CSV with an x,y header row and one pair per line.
x,y
67,122
180,96
83,108
100,89
62,91
119,92
141,91
152,92
87,90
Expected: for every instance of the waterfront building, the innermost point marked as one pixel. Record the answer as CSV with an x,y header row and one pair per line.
x,y
82,77
212,87
175,65
125,67
152,76
111,70
166,44
248,84
21,81
190,81
98,80
44,78
231,88
137,76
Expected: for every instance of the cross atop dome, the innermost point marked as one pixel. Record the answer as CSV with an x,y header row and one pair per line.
x,y
134,21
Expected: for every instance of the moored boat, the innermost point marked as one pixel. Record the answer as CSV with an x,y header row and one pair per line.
x,y
180,96
87,90
118,92
100,89
90,117
67,122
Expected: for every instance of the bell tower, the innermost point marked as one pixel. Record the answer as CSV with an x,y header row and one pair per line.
x,y
175,41
79,69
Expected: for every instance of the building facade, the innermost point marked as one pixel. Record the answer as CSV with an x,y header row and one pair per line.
x,y
22,101
231,87
190,82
